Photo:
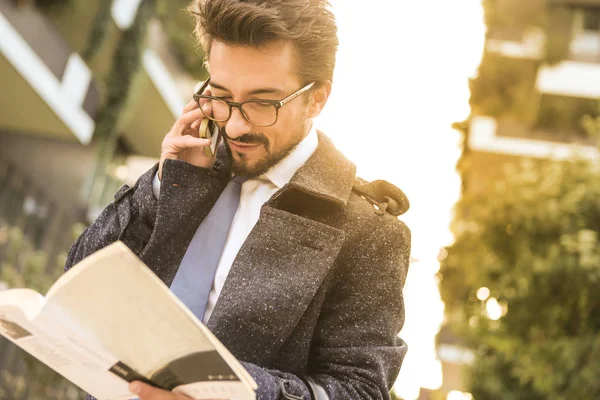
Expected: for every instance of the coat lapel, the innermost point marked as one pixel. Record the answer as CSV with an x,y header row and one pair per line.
x,y
327,174
284,260
273,279
181,209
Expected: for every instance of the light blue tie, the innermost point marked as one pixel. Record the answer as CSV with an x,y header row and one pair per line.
x,y
195,276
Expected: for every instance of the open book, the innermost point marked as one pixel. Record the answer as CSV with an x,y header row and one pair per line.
x,y
110,320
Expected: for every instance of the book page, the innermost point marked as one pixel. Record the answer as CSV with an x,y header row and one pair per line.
x,y
75,360
28,301
121,304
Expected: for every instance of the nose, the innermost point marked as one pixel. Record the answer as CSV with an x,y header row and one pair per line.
x,y
237,124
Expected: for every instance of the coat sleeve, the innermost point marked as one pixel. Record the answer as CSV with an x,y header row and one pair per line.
x,y
129,217
134,216
356,352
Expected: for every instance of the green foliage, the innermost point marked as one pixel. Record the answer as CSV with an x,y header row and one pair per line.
x,y
55,4
462,166
126,61
25,267
126,64
491,376
504,87
591,125
566,115
99,32
179,26
532,239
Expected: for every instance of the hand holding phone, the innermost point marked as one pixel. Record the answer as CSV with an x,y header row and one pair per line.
x,y
193,138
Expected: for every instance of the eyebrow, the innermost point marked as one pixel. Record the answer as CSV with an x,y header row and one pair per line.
x,y
252,93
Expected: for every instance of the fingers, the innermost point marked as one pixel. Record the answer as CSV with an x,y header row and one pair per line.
x,y
147,392
186,120
191,117
191,132
193,129
175,144
183,141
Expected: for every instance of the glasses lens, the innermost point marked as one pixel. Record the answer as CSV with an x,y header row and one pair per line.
x,y
260,113
214,109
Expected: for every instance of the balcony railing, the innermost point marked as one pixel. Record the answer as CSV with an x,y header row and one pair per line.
x,y
586,47
44,220
51,69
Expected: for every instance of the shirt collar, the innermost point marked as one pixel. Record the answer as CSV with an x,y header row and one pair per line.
x,y
281,173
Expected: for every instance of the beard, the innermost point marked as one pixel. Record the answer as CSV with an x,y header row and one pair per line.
x,y
242,165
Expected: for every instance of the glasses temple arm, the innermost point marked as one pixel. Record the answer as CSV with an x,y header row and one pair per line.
x,y
295,94
203,87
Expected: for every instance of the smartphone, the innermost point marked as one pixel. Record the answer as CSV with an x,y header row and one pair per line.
x,y
210,130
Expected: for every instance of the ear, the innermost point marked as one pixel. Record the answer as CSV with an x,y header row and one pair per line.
x,y
318,98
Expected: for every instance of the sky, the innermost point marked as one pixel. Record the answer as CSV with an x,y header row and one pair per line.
x,y
401,80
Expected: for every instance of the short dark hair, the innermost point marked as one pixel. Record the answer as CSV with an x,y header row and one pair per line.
x,y
308,24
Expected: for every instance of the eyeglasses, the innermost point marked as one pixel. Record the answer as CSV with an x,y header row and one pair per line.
x,y
257,112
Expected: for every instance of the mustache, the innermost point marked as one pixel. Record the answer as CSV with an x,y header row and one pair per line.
x,y
248,138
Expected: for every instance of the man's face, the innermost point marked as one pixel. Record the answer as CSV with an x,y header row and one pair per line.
x,y
269,72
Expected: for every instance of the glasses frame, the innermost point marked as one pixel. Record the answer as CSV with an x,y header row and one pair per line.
x,y
232,104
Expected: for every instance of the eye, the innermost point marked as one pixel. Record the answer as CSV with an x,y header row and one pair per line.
x,y
221,95
264,104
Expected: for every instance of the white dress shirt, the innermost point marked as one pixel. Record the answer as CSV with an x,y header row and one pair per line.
x,y
255,192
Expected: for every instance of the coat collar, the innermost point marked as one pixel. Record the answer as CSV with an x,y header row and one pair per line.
x,y
327,174
281,174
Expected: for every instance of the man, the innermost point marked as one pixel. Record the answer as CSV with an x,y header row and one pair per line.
x,y
306,289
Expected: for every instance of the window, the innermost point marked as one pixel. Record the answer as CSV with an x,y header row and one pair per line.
x,y
563,116
591,20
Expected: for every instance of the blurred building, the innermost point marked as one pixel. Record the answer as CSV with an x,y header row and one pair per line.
x,y
553,96
49,106
535,86
50,100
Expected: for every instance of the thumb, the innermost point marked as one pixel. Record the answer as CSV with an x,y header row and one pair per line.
x,y
147,392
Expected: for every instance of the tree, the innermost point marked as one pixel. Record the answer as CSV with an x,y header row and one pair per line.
x,y
532,240
520,282
178,26
126,64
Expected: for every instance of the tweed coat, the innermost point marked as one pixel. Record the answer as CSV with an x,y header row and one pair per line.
x,y
315,292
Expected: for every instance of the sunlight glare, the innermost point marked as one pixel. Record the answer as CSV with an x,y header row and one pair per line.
x,y
401,80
